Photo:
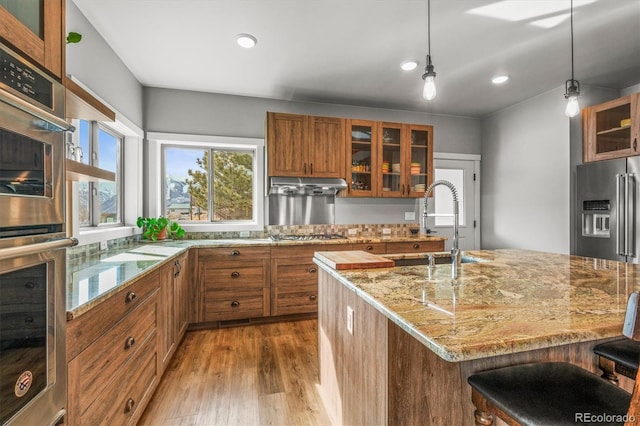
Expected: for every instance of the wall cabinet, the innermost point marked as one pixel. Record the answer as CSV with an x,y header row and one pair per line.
x,y
388,159
112,356
611,129
36,28
305,146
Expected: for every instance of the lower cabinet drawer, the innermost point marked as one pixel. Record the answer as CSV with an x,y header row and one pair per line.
x,y
305,300
124,400
245,277
376,248
223,305
418,246
91,371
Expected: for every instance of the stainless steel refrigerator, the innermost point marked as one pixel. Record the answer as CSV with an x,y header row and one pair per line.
x,y
607,211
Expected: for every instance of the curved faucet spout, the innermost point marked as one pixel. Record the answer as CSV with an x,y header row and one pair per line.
x,y
456,256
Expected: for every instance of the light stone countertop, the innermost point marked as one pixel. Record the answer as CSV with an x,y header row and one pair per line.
x,y
510,301
93,280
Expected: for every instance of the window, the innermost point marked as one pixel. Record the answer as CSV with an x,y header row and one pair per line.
x,y
214,184
100,203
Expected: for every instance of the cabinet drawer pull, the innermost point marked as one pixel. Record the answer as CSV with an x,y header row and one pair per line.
x,y
369,247
313,297
130,342
128,406
29,320
312,270
30,284
416,246
130,297
235,274
235,253
235,304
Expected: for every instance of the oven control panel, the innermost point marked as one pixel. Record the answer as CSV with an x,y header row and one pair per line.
x,y
27,80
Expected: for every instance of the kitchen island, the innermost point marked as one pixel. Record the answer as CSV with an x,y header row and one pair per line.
x,y
396,346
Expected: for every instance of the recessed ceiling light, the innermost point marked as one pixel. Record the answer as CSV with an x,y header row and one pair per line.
x,y
246,40
499,79
409,65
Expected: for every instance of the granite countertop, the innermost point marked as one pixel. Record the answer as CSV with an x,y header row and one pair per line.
x,y
509,301
92,280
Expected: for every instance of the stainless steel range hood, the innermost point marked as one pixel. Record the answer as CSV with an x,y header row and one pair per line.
x,y
306,186
303,201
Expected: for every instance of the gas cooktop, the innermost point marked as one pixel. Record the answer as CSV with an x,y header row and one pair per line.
x,y
306,237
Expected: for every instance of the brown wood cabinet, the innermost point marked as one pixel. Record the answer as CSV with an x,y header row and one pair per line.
x,y
305,146
388,159
611,129
233,283
294,278
112,357
37,30
182,294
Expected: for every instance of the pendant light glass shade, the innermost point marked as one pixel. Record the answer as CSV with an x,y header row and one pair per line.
x,y
572,86
429,90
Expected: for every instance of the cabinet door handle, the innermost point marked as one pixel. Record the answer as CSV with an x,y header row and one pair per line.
x,y
311,167
235,253
129,342
369,247
403,189
235,274
635,144
128,406
312,270
304,168
416,246
130,297
235,304
313,297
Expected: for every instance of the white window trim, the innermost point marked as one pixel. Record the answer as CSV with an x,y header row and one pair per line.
x,y
154,176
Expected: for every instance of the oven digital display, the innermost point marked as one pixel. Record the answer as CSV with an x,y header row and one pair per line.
x,y
26,80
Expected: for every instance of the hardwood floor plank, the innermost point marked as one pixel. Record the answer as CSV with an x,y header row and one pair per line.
x,y
265,374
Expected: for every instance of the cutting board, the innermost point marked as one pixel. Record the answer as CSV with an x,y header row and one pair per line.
x,y
357,259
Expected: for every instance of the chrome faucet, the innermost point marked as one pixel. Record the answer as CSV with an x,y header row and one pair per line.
x,y
456,255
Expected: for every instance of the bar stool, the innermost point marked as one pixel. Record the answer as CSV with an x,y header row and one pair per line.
x,y
618,356
553,393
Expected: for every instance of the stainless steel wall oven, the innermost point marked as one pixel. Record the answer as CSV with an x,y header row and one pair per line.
x,y
32,244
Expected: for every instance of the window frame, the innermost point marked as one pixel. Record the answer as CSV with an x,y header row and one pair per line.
x,y
156,173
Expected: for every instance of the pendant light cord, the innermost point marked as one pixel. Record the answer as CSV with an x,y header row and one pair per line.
x,y
571,16
429,26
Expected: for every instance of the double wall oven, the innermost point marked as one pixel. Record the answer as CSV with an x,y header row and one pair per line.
x,y
32,244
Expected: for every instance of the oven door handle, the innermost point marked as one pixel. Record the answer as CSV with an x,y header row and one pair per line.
x,y
53,244
51,122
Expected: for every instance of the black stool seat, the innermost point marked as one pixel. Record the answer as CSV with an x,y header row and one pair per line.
x,y
551,393
624,352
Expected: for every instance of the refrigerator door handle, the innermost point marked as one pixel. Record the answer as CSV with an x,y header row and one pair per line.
x,y
620,211
630,215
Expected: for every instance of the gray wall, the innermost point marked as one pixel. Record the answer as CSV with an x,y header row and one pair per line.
x,y
178,111
97,66
525,176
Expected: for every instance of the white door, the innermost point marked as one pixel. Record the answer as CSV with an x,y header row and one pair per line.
x,y
464,175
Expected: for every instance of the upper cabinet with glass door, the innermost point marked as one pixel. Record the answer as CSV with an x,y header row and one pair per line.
x,y
35,28
361,157
420,154
611,129
393,164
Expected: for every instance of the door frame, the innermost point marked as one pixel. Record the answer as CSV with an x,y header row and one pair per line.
x,y
476,158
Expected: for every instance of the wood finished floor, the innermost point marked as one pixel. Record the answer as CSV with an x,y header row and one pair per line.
x,y
264,374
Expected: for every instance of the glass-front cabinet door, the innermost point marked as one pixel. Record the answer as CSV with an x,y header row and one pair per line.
x,y
35,28
420,159
361,157
393,166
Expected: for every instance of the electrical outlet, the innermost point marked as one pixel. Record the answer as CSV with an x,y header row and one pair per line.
x,y
409,215
353,231
244,234
103,245
386,231
350,320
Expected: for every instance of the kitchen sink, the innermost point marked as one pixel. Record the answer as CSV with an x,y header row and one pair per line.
x,y
439,260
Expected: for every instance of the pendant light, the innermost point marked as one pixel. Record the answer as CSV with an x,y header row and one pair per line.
x,y
572,86
429,91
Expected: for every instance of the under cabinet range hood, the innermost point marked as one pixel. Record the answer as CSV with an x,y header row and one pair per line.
x,y
306,186
303,201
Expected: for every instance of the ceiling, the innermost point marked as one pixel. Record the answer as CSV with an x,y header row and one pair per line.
x,y
349,51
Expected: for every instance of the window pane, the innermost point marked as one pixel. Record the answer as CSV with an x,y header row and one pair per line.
x,y
107,151
186,183
84,132
107,202
84,199
232,185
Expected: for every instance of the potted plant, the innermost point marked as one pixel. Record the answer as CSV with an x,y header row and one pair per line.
x,y
160,228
